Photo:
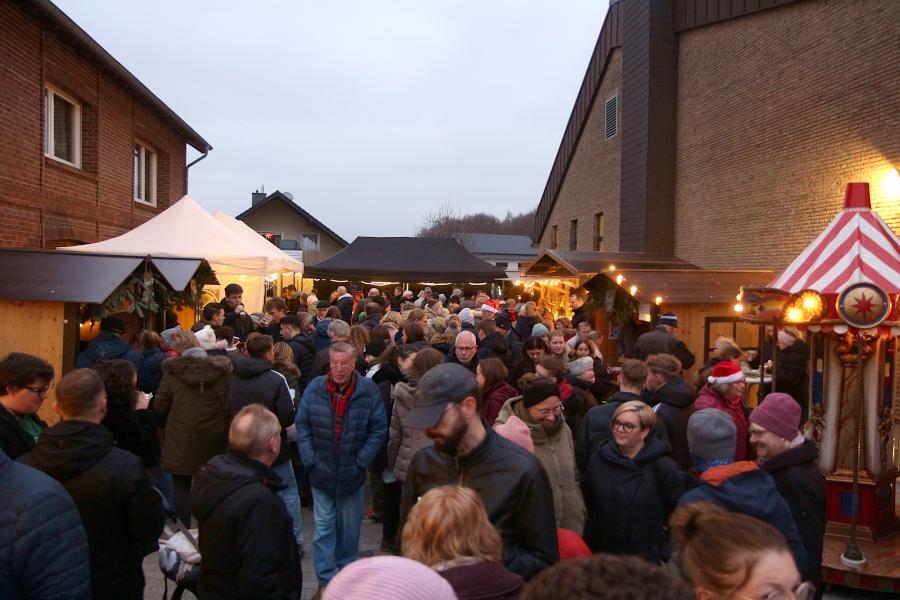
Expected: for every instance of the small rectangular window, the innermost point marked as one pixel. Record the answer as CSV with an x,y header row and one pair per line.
x,y
502,265
62,126
611,118
553,230
598,231
310,242
275,238
573,234
144,175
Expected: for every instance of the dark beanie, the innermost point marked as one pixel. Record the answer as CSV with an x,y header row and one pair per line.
x,y
538,393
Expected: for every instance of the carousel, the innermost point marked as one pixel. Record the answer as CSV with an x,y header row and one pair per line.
x,y
844,290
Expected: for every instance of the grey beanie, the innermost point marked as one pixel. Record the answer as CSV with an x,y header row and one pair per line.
x,y
540,330
711,435
580,365
193,352
166,335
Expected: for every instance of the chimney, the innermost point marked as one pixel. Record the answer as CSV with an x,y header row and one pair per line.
x,y
258,196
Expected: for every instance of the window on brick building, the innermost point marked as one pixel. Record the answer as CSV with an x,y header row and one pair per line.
x,y
598,231
310,242
144,174
553,230
573,234
62,127
612,122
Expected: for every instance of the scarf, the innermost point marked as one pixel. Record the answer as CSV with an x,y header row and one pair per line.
x,y
339,401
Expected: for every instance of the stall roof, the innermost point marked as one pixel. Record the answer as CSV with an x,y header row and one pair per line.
x,y
405,259
576,263
685,286
51,276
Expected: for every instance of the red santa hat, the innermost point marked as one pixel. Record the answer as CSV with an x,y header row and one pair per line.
x,y
726,372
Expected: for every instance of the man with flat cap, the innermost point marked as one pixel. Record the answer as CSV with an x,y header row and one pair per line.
x,y
511,482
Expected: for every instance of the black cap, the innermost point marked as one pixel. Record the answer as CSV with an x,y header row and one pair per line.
x,y
376,347
114,324
503,320
448,382
323,304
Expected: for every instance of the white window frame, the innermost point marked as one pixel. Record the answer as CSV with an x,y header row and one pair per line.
x,y
49,93
303,242
148,173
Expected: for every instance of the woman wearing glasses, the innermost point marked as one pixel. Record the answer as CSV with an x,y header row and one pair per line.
x,y
541,409
731,555
630,487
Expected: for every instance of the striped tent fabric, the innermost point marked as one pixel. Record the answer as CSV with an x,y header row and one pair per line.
x,y
856,247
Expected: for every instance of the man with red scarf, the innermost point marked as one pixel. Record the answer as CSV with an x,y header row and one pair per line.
x,y
341,425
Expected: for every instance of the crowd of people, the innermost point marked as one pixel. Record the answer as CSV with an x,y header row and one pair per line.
x,y
506,458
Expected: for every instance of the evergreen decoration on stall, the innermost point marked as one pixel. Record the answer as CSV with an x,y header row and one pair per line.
x,y
624,305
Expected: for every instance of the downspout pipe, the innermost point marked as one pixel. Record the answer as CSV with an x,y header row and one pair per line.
x,y
191,164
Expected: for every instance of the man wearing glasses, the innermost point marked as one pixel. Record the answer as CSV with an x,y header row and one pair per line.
x,y
465,348
510,481
24,385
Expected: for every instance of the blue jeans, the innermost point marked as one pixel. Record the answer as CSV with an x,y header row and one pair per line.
x,y
291,498
336,539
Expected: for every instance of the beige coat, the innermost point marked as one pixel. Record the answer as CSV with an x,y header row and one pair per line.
x,y
556,451
404,441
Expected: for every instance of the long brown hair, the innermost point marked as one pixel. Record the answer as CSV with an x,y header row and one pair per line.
x,y
447,523
494,371
720,549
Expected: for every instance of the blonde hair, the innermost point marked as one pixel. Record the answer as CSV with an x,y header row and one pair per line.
x,y
283,352
448,523
646,416
529,309
392,316
182,339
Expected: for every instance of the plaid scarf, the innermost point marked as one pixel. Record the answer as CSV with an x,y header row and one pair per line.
x,y
339,400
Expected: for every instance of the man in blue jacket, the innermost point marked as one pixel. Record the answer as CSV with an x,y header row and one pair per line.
x,y
110,343
341,426
741,486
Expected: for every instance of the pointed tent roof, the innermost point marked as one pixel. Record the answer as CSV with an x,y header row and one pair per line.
x,y
186,229
857,246
245,231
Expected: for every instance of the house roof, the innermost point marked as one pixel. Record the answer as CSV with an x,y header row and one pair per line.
x,y
75,35
576,263
684,286
497,244
405,259
279,196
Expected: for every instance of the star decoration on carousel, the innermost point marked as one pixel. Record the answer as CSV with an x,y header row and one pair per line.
x,y
863,305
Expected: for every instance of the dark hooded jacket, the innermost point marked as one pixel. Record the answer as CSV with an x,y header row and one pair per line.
x,y
108,345
629,500
515,491
524,325
191,399
371,321
743,488
472,366
673,404
255,382
153,360
43,547
320,338
245,540
660,341
799,482
242,324
14,440
582,313
595,428
495,345
122,513
135,431
484,581
577,402
304,352
792,374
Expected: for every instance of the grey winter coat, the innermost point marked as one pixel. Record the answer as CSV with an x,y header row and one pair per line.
x,y
404,440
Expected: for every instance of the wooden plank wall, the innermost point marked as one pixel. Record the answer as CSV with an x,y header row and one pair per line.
x,y
692,322
35,328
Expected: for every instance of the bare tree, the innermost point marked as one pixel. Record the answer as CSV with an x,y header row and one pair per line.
x,y
448,221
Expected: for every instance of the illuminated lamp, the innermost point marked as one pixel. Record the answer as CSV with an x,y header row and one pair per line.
x,y
891,183
804,307
658,299
633,290
738,307
612,267
619,279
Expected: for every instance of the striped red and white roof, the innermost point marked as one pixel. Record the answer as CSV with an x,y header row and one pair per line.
x,y
857,246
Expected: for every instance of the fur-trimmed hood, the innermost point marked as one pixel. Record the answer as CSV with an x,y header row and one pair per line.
x,y
197,370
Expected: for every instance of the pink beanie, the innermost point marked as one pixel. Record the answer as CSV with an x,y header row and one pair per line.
x,y
388,577
515,430
778,413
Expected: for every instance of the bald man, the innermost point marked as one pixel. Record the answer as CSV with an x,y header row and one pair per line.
x,y
345,304
464,351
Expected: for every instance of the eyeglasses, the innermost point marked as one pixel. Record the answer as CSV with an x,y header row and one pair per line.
x,y
803,591
622,426
38,391
466,348
556,410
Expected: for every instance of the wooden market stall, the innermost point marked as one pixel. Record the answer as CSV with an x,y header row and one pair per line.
x,y
47,298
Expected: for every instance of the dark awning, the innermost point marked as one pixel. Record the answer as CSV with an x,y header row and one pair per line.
x,y
51,276
405,259
680,286
576,263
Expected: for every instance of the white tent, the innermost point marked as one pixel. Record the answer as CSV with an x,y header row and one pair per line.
x,y
186,229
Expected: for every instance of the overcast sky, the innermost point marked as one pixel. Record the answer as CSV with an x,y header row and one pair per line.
x,y
372,113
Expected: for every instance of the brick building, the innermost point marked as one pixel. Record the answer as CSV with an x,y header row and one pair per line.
x,y
722,132
87,152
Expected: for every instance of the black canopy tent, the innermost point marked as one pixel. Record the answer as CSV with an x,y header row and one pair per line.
x,y
407,260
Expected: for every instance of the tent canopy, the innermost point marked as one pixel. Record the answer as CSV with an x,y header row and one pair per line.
x,y
406,259
856,247
186,229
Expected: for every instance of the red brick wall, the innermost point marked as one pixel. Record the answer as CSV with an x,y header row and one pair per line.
x,y
777,111
45,203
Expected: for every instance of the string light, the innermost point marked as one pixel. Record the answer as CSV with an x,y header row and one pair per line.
x,y
659,299
619,279
633,290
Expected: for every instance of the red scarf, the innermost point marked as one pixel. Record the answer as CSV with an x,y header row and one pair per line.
x,y
339,400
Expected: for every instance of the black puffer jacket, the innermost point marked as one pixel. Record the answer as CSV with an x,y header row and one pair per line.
x,y
799,482
792,375
673,404
246,542
122,514
629,500
578,403
304,353
135,432
515,491
254,382
660,341
495,346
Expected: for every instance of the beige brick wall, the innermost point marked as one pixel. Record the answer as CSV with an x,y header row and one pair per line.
x,y
591,184
777,111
